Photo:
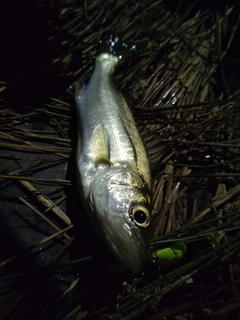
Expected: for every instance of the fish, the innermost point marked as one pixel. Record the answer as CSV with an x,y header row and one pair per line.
x,y
113,172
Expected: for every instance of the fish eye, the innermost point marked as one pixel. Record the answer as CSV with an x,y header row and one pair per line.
x,y
140,216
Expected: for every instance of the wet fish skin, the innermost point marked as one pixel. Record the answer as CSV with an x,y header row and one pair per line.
x,y
112,166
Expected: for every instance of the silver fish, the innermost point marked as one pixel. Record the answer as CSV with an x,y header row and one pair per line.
x,y
112,165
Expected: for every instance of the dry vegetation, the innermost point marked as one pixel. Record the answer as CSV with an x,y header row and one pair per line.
x,y
189,120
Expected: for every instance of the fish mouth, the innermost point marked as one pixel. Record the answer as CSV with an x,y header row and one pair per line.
x,y
129,246
134,259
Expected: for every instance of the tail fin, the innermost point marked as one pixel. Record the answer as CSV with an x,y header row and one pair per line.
x,y
111,43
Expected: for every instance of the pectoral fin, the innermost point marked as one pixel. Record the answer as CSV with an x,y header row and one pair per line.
x,y
100,146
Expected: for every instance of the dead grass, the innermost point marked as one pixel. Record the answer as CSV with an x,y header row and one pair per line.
x,y
192,127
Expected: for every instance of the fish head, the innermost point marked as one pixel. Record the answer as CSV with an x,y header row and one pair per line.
x,y
120,205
